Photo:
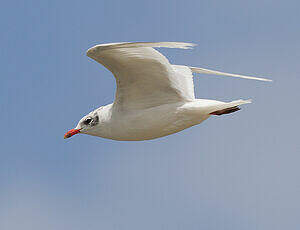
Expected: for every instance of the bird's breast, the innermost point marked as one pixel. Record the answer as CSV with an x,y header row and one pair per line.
x,y
149,123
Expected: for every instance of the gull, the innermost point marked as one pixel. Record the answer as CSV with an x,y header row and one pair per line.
x,y
153,97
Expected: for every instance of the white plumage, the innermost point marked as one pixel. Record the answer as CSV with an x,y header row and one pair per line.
x,y
153,97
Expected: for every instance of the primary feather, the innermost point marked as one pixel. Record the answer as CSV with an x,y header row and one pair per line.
x,y
214,72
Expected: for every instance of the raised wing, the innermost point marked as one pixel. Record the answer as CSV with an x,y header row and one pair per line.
x,y
185,75
144,77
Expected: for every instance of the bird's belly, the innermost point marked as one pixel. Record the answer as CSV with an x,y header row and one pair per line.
x,y
153,123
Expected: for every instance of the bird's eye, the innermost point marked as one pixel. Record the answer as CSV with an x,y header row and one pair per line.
x,y
87,121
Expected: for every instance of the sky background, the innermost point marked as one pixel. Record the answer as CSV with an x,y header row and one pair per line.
x,y
238,171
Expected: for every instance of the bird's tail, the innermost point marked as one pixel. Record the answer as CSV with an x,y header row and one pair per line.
x,y
226,107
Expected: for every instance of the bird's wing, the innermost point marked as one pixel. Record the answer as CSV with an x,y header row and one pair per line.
x,y
214,72
185,76
144,77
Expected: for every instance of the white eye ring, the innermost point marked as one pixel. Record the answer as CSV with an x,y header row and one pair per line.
x,y
88,121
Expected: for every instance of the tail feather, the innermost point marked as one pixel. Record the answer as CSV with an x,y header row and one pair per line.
x,y
225,111
225,108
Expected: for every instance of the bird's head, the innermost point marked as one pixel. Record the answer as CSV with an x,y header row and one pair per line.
x,y
85,125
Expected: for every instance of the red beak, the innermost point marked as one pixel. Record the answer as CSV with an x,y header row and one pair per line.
x,y
71,133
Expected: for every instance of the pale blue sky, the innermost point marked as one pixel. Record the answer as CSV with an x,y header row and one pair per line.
x,y
239,171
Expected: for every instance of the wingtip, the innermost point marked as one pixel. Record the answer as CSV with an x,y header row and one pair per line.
x,y
269,80
261,79
186,45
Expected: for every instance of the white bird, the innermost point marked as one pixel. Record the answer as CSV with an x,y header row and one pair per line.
x,y
153,98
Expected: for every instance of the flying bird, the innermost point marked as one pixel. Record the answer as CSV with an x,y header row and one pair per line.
x,y
153,98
